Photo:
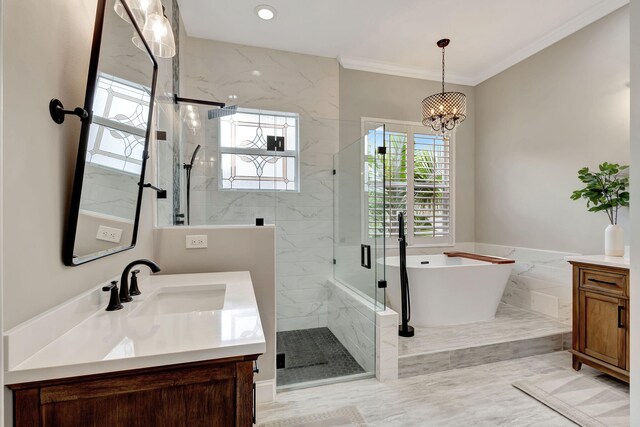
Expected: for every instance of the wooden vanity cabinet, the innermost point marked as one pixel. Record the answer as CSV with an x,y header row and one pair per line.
x,y
210,393
601,318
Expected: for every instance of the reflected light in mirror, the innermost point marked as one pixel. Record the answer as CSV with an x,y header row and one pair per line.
x,y
139,9
192,118
156,29
159,36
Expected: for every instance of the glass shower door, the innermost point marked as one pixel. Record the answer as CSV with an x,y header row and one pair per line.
x,y
359,218
359,246
374,178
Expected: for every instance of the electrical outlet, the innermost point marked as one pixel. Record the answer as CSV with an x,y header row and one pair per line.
x,y
197,242
109,234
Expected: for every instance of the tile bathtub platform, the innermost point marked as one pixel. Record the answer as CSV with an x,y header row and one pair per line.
x,y
514,333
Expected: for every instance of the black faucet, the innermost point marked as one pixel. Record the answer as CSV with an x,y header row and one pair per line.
x,y
114,300
133,286
124,279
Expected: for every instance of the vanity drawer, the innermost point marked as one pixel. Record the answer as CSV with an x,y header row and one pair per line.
x,y
604,281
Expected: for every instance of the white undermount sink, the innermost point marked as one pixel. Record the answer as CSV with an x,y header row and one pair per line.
x,y
183,299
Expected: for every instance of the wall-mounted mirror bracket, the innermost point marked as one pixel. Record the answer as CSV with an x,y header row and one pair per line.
x,y
58,113
162,194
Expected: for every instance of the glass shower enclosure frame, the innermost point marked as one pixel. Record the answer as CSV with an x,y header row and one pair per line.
x,y
359,243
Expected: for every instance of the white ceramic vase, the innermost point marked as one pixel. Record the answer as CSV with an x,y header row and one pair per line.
x,y
614,240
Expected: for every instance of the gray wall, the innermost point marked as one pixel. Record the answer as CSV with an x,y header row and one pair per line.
x,y
380,96
635,211
540,121
46,55
230,249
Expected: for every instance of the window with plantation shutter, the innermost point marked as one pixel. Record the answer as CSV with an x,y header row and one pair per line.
x,y
431,187
418,181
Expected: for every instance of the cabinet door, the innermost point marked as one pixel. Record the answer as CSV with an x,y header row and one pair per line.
x,y
602,327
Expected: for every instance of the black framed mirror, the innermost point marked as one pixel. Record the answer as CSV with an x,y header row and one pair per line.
x,y
106,198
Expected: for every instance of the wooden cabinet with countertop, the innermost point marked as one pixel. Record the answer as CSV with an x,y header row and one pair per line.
x,y
207,393
601,314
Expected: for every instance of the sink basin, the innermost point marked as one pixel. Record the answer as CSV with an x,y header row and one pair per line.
x,y
183,299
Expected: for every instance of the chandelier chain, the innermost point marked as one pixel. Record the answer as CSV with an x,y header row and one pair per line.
x,y
443,70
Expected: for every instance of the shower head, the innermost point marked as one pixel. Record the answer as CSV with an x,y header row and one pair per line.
x,y
222,112
195,153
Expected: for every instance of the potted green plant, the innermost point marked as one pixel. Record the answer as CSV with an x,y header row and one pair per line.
x,y
606,191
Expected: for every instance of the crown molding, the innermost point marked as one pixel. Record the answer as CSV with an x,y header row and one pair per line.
x,y
600,10
383,67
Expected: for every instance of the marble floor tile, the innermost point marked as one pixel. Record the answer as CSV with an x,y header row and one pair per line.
x,y
424,364
478,396
505,351
510,324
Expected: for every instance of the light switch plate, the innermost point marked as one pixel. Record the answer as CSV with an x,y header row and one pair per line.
x,y
197,241
109,234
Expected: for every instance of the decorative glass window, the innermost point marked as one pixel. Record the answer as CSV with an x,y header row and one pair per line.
x,y
117,134
417,181
253,154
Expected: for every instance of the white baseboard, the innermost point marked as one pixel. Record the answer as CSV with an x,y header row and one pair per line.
x,y
265,391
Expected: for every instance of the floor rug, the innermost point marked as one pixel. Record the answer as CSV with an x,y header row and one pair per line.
x,y
342,417
585,401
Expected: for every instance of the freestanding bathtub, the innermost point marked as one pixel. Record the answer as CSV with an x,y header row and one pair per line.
x,y
448,290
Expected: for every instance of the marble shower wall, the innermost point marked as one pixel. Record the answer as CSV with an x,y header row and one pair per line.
x,y
352,320
540,280
278,81
109,192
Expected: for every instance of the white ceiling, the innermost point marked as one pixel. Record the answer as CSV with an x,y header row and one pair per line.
x,y
398,36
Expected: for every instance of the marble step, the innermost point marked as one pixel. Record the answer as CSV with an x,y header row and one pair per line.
x,y
425,363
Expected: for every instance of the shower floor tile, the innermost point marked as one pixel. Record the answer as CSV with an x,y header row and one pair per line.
x,y
311,355
510,324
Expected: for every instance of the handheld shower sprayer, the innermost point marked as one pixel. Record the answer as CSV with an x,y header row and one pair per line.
x,y
187,168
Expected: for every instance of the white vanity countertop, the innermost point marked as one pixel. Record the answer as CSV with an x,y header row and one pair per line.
x,y
608,261
121,340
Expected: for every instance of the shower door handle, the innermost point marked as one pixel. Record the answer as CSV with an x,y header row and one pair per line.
x,y
365,256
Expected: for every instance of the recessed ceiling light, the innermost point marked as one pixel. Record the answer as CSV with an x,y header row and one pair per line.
x,y
265,12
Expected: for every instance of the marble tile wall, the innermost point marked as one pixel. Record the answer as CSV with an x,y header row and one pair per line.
x,y
352,320
109,192
540,280
387,345
278,81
